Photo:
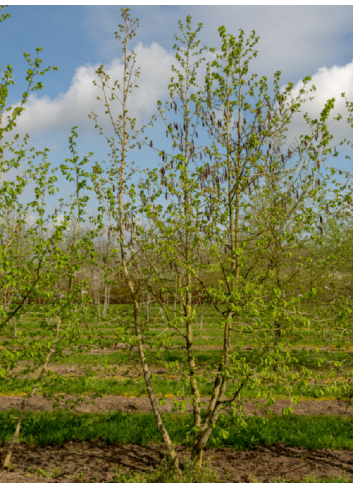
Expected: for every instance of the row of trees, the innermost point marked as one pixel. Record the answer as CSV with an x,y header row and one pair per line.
x,y
233,214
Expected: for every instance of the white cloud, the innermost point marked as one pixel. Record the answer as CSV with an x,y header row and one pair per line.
x,y
44,115
52,116
330,83
30,220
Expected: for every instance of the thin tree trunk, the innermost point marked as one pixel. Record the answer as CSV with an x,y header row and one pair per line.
x,y
144,304
106,300
207,426
201,315
153,400
95,288
148,306
98,305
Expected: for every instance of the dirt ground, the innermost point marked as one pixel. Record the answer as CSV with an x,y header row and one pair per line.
x,y
93,461
142,404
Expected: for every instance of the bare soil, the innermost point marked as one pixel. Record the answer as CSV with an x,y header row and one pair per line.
x,y
142,404
94,461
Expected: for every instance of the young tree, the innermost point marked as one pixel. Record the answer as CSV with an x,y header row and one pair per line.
x,y
246,149
238,239
117,195
214,213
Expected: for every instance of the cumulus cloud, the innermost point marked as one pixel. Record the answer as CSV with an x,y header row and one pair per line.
x,y
44,115
330,83
30,220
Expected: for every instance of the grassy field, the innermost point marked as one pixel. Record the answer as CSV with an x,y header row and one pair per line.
x,y
102,369
100,364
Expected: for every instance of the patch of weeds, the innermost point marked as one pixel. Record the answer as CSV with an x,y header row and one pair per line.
x,y
56,472
80,477
165,474
314,479
329,480
251,478
38,472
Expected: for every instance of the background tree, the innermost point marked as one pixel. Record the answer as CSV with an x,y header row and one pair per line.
x,y
28,276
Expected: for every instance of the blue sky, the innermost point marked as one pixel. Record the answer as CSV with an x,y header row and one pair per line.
x,y
297,40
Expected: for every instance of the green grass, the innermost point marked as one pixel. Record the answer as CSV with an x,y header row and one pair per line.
x,y
121,357
48,428
119,387
166,474
113,383
313,479
189,475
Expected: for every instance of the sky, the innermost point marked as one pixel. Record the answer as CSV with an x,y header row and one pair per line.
x,y
299,41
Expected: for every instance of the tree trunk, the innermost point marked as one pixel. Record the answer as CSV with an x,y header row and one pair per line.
x,y
106,300
148,306
201,315
144,304
95,288
98,305
151,395
14,327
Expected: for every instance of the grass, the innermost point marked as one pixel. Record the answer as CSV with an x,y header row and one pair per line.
x,y
49,428
38,472
115,384
313,479
166,474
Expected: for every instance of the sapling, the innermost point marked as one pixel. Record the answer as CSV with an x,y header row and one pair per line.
x,y
250,164
117,196
236,240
